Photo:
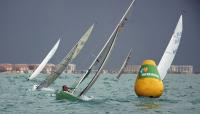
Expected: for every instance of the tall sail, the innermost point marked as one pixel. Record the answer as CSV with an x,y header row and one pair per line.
x,y
124,64
103,56
171,49
98,60
45,61
69,57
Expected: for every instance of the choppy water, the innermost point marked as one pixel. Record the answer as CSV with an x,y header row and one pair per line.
x,y
181,96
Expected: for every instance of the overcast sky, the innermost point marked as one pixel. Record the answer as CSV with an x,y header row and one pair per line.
x,y
30,28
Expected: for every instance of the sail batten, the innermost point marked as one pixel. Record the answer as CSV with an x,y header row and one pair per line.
x,y
45,61
68,58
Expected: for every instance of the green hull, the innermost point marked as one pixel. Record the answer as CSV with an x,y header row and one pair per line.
x,y
66,95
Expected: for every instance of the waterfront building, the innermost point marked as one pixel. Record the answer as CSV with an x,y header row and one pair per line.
x,y
184,69
132,69
21,68
33,67
6,67
80,71
70,68
49,68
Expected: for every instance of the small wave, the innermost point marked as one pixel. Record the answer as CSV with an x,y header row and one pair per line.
x,y
87,98
48,89
34,87
43,89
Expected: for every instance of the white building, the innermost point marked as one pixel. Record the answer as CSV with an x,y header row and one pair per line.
x,y
188,69
71,68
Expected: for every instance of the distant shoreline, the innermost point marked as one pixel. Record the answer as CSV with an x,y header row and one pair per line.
x,y
14,72
71,68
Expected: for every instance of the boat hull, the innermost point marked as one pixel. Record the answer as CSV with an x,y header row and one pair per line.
x,y
66,95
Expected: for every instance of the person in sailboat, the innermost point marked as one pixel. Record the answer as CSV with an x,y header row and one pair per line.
x,y
66,88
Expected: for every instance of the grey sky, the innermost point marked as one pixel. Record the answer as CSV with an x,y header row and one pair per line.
x,y
29,29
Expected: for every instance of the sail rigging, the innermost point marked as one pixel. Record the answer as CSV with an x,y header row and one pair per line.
x,y
103,56
69,57
101,64
124,64
171,50
45,61
98,60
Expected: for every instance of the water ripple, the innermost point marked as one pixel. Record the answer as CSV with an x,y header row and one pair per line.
x,y
111,96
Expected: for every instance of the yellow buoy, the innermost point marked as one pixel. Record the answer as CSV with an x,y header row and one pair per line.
x,y
148,82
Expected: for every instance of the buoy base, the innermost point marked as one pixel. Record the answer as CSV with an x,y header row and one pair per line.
x,y
149,87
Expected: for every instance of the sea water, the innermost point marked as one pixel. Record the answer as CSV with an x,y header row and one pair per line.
x,y
110,96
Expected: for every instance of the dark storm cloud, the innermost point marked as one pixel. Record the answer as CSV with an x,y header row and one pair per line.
x,y
29,29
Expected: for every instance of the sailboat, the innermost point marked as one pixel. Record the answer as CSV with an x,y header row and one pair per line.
x,y
68,58
99,62
124,64
171,50
45,61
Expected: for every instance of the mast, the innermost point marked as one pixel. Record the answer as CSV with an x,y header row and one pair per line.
x,y
124,64
101,66
106,51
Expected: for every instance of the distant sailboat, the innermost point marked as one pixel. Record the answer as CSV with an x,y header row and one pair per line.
x,y
171,50
69,57
124,64
45,61
98,62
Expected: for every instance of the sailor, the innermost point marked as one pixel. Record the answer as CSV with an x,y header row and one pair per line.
x,y
65,88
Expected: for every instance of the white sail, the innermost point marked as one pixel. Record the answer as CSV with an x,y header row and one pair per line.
x,y
171,49
103,56
124,64
69,57
45,61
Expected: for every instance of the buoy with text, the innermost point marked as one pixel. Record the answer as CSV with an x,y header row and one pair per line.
x,y
148,82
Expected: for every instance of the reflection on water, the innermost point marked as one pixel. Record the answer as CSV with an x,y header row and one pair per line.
x,y
148,106
148,103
